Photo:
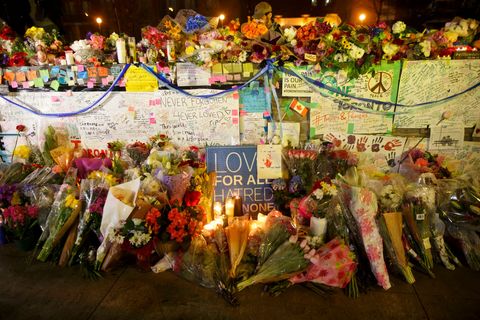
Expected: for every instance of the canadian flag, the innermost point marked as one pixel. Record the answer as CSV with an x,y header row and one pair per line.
x,y
296,106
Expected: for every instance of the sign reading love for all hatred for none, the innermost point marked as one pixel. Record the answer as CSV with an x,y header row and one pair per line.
x,y
236,169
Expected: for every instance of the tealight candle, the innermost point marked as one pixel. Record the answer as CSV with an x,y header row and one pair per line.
x,y
261,218
217,210
69,57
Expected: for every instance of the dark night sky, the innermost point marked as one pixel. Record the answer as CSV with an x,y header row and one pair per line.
x,y
69,15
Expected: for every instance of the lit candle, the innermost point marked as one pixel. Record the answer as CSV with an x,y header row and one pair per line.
x,y
238,211
132,48
69,57
261,218
217,210
121,51
229,207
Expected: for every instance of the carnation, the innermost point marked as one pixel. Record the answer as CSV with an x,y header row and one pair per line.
x,y
399,27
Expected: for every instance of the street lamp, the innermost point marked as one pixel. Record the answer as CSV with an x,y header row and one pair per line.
x,y
221,17
362,17
99,21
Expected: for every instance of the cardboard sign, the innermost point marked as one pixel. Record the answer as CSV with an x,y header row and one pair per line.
x,y
236,169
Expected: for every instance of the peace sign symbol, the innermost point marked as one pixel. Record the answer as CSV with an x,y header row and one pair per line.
x,y
381,82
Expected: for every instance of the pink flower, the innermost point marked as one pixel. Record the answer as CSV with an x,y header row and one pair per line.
x,y
97,41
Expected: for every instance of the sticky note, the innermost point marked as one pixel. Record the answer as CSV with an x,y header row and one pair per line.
x,y
32,75
248,67
54,71
80,68
80,82
102,72
55,85
55,99
89,84
243,113
153,121
14,84
237,68
44,74
234,120
110,78
82,75
217,68
229,77
105,81
71,83
350,128
62,72
20,77
237,77
92,72
121,83
26,85
74,68
38,82
266,114
235,112
9,76
227,68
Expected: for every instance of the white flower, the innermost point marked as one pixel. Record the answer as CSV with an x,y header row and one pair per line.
x,y
80,45
426,48
356,52
390,48
137,222
318,194
399,27
242,57
293,42
139,239
290,33
115,237
7,45
340,57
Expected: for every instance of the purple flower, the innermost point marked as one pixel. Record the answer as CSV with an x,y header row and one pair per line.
x,y
295,184
89,35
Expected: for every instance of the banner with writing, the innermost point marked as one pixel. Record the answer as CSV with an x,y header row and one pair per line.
x,y
335,113
236,169
431,80
131,117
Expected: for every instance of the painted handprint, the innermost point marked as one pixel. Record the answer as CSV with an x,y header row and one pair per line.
x,y
351,139
376,144
390,157
390,145
361,144
334,140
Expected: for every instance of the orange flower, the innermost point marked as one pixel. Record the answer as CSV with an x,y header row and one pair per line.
x,y
421,162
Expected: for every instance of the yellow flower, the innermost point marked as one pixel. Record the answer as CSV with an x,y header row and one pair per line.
x,y
22,151
35,33
71,201
332,19
451,36
189,50
16,201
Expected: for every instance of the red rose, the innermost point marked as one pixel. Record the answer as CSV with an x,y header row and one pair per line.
x,y
192,198
19,59
21,128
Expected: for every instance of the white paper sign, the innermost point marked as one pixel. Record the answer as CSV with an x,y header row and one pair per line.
x,y
446,137
290,131
131,117
426,81
269,161
252,128
190,75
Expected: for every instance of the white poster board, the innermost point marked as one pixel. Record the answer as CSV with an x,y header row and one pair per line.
x,y
432,80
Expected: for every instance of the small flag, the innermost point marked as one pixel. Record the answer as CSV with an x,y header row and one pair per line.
x,y
299,108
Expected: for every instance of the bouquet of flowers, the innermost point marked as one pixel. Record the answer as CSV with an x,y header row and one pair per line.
x,y
63,214
362,205
332,265
300,164
21,222
418,211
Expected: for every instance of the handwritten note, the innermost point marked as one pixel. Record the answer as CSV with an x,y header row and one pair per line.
x,y
190,75
253,98
140,80
288,133
425,81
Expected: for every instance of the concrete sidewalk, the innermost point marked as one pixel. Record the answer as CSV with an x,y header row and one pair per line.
x,y
45,291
